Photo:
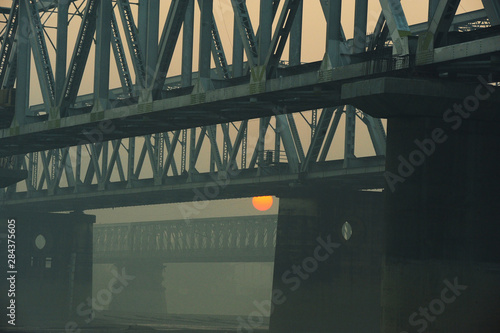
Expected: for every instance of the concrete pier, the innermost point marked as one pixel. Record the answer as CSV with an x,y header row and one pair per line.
x,y
53,266
441,270
144,291
323,282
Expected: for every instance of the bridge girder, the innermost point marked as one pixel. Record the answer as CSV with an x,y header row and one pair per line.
x,y
227,95
245,239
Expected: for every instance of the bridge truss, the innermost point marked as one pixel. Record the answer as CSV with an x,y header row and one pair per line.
x,y
242,239
81,152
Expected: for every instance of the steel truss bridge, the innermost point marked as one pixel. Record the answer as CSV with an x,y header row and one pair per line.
x,y
158,138
233,239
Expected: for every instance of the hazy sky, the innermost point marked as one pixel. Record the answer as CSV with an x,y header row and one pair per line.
x,y
312,50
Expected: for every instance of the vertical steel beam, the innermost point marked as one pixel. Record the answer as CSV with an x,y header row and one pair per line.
x,y
277,144
350,131
295,50
237,50
265,29
62,46
142,25
206,14
215,158
78,166
130,162
334,32
360,21
102,56
23,65
187,45
263,123
192,151
258,153
218,53
151,55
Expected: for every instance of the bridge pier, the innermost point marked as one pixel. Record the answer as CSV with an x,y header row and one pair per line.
x,y
53,267
323,282
441,270
144,292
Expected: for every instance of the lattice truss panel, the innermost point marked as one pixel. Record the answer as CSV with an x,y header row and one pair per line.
x,y
68,58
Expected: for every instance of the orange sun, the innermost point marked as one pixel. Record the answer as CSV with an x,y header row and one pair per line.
x,y
262,203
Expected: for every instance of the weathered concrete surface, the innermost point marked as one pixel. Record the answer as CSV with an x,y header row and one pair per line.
x,y
388,97
322,282
441,270
51,281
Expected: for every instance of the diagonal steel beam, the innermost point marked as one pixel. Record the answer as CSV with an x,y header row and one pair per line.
x,y
23,64
237,142
214,149
296,137
318,138
218,50
492,8
120,58
242,19
331,133
41,56
288,142
281,34
168,40
133,42
397,24
377,133
258,152
441,21
8,40
169,162
379,35
80,56
114,155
